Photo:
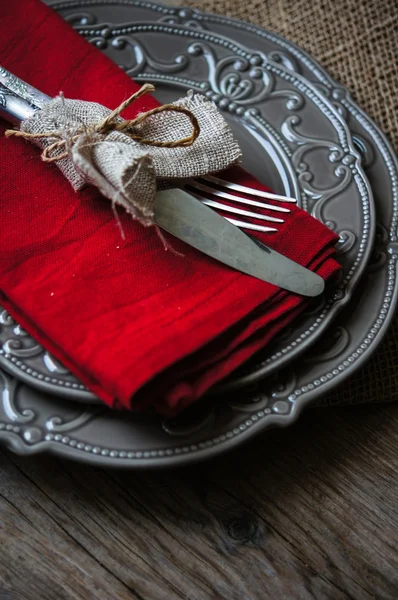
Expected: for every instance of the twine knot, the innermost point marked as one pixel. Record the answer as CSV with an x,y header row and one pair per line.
x,y
92,145
60,148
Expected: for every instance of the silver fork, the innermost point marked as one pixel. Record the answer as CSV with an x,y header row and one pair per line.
x,y
201,187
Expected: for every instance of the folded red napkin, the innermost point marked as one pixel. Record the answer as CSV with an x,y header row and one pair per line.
x,y
137,324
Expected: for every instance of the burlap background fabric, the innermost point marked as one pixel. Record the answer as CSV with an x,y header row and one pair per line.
x,y
357,42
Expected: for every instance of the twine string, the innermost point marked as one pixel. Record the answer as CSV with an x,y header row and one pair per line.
x,y
62,144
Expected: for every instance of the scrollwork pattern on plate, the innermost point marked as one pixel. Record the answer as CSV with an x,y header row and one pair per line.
x,y
6,319
16,343
284,59
53,365
21,344
81,19
347,238
240,80
365,150
58,424
143,58
28,423
275,399
244,76
202,416
341,160
380,250
231,79
346,241
140,57
334,97
183,16
8,388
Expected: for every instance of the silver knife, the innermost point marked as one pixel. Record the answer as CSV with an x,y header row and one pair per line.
x,y
185,217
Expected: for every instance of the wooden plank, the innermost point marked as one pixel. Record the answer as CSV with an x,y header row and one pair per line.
x,y
305,512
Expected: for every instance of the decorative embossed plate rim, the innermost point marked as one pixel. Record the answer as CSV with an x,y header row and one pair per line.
x,y
16,359
17,432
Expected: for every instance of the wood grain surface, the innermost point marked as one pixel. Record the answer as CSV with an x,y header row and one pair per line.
x,y
300,513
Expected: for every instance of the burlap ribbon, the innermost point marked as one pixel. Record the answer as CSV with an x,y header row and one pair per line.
x,y
118,163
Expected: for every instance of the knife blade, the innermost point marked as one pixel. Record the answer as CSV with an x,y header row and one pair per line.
x,y
184,216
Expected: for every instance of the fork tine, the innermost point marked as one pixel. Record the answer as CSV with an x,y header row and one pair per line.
x,y
194,185
238,211
251,226
246,190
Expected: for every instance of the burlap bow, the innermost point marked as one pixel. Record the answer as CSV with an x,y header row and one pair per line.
x,y
119,163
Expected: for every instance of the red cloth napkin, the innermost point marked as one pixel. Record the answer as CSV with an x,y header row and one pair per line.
x,y
137,324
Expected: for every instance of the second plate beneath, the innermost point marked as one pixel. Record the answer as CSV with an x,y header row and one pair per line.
x,y
292,138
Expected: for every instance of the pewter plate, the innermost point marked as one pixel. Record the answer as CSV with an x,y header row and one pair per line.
x,y
292,138
33,422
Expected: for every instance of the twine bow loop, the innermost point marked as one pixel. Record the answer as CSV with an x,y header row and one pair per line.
x,y
60,149
127,160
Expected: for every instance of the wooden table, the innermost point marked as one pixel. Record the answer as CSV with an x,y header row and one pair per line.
x,y
305,512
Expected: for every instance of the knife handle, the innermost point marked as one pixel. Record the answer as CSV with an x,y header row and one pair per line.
x,y
18,100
